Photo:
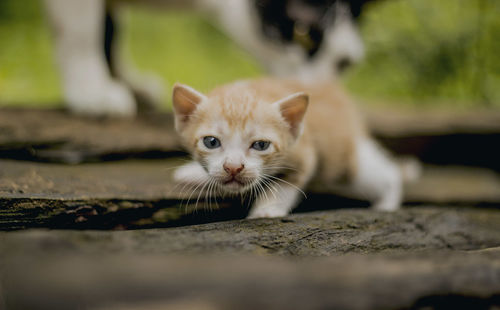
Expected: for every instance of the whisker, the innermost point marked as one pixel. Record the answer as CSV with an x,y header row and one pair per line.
x,y
269,186
263,191
192,192
294,186
184,185
213,193
276,184
251,194
207,195
199,194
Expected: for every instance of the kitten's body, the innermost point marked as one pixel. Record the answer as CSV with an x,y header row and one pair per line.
x,y
330,144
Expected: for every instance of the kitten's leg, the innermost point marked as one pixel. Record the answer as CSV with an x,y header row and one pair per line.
x,y
191,173
280,196
377,177
276,203
87,85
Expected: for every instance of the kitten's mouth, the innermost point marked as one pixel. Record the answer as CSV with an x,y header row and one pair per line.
x,y
235,185
233,181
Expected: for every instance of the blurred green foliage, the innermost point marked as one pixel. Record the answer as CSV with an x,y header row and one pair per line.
x,y
418,52
427,51
181,47
27,72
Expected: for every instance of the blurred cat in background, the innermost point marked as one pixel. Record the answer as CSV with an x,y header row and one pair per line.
x,y
306,39
270,137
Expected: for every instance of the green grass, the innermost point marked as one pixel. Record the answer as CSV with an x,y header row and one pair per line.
x,y
27,71
418,52
428,51
182,47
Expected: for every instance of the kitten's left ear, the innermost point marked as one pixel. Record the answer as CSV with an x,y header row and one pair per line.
x,y
185,99
293,109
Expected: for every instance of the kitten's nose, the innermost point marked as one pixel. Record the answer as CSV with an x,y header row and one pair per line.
x,y
233,169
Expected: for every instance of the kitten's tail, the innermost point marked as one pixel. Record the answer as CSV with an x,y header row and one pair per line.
x,y
411,169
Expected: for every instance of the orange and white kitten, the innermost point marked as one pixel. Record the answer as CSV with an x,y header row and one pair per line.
x,y
271,137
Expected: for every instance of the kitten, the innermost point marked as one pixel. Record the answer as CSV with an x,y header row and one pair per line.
x,y
271,137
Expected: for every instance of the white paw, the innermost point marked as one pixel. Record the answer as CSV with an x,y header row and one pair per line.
x,y
410,168
267,212
386,206
391,200
191,173
107,99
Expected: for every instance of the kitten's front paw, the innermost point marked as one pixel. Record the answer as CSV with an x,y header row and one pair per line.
x,y
386,206
191,173
267,212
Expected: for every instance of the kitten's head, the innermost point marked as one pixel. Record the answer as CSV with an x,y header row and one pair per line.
x,y
237,138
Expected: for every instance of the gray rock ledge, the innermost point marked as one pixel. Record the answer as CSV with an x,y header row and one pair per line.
x,y
347,259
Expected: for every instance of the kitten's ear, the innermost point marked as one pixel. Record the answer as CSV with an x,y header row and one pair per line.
x,y
293,109
185,99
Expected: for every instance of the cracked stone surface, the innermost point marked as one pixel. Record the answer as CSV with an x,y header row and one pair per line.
x,y
308,234
346,259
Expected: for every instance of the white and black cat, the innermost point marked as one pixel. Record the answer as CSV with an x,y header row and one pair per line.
x,y
307,39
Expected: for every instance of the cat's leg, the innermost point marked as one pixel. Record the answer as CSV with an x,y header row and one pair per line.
x,y
275,203
191,173
87,84
277,197
147,88
377,178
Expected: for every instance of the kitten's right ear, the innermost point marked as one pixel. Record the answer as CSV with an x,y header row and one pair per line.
x,y
185,99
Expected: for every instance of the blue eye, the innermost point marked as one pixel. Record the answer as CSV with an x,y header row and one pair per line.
x,y
261,145
211,142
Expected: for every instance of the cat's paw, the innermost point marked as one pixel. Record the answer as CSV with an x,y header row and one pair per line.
x,y
391,198
190,173
386,207
108,99
267,212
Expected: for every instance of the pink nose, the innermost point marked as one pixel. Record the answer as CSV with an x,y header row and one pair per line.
x,y
233,169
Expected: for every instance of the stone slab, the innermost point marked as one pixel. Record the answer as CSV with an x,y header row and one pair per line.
x,y
306,234
430,281
152,180
56,136
347,259
135,193
405,122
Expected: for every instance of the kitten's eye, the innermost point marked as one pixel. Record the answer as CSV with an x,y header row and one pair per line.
x,y
211,142
261,145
